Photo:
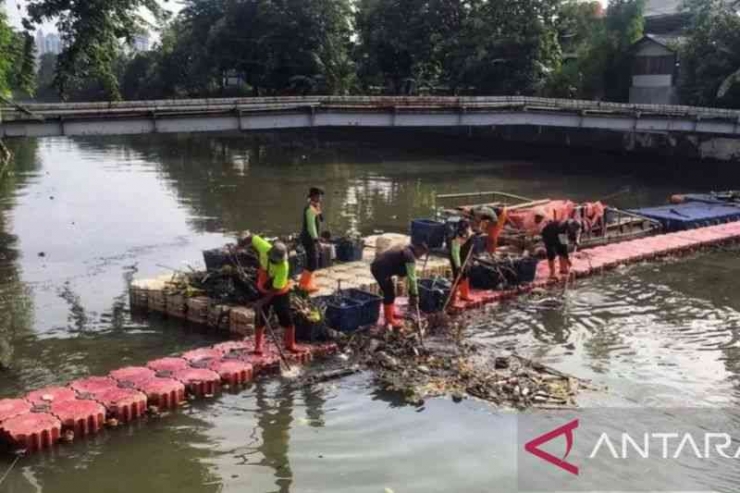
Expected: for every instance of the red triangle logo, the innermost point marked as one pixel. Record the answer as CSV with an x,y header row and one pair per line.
x,y
533,447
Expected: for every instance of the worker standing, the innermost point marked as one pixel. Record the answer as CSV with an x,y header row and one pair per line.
x,y
400,262
310,235
495,228
460,246
557,235
482,218
273,282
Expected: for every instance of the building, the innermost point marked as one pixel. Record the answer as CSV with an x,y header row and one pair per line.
x,y
655,64
655,70
48,43
142,42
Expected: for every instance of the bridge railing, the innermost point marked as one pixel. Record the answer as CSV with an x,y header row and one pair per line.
x,y
367,103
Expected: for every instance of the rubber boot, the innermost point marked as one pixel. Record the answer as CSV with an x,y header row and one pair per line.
x,y
390,316
310,286
464,290
551,265
259,341
303,283
289,341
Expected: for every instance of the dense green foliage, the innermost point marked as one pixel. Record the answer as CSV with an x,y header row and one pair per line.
x,y
710,56
555,48
91,31
17,52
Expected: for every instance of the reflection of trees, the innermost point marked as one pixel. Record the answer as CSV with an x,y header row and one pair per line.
x,y
275,419
232,182
15,300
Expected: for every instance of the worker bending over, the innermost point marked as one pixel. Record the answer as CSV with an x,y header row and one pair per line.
x,y
557,235
310,235
273,282
400,262
460,250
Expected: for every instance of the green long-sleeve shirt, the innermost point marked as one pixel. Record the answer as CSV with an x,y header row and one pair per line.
x,y
311,221
278,273
413,283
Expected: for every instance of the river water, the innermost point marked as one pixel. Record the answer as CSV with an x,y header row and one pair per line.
x,y
80,217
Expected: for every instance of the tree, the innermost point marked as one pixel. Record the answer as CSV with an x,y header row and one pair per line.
x,y
599,49
710,56
91,31
407,43
507,47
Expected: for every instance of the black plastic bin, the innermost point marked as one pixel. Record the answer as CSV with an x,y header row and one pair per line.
x,y
527,269
428,231
484,277
297,261
370,311
433,294
349,250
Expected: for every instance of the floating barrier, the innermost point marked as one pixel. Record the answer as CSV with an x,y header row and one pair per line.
x,y
39,419
44,417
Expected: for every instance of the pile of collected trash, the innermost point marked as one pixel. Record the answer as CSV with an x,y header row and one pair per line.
x,y
443,365
228,284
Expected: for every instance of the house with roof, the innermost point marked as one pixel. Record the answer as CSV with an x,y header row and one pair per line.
x,y
655,64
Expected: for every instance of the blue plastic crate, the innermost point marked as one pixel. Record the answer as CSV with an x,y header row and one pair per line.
x,y
370,312
427,231
342,314
433,294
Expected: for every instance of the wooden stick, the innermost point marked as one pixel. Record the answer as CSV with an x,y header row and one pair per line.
x,y
275,339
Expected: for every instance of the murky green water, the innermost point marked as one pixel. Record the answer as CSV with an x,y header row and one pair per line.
x,y
80,217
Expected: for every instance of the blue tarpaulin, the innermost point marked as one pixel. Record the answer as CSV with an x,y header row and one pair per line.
x,y
690,215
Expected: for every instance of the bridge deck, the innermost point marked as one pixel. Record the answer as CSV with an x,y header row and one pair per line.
x,y
244,114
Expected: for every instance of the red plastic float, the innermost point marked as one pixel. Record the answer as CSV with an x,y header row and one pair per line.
x,y
168,365
199,381
32,431
165,393
133,374
232,371
202,354
84,417
93,385
10,408
51,394
122,403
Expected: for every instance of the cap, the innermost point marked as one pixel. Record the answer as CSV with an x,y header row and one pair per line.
x,y
486,213
314,191
278,252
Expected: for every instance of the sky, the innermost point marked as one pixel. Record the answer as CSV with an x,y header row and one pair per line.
x,y
16,14
16,11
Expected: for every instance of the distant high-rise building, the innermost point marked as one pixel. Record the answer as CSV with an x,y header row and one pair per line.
x,y
48,43
141,42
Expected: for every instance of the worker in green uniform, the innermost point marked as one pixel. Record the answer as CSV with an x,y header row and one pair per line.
x,y
460,250
273,282
400,262
310,234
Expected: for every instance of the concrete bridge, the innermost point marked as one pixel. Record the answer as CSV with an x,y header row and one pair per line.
x,y
209,115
